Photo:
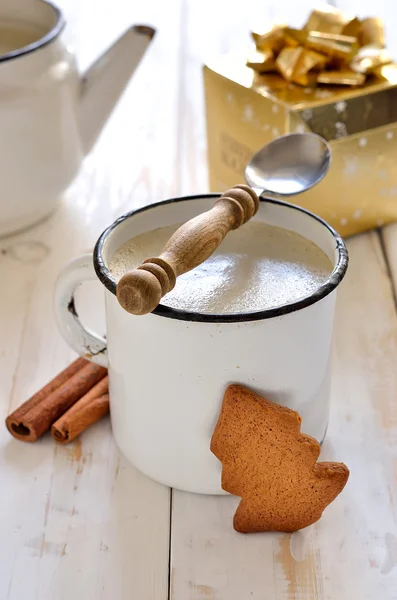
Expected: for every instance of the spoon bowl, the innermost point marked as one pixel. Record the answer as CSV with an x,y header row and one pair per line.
x,y
289,165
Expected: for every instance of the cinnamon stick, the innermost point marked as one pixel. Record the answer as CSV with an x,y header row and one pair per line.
x,y
36,416
86,411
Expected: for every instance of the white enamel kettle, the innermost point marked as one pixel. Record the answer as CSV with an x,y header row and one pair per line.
x,y
50,115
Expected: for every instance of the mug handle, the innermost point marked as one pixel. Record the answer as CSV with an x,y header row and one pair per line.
x,y
86,343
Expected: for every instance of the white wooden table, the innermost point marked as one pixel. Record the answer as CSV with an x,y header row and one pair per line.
x,y
78,522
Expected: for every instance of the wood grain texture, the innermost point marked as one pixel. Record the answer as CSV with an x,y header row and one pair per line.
x,y
78,521
352,551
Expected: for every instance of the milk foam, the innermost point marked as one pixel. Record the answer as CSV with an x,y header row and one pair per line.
x,y
256,267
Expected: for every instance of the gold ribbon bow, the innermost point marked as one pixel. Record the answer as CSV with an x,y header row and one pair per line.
x,y
331,48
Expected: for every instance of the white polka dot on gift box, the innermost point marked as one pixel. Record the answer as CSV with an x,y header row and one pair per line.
x,y
340,129
248,112
351,165
230,98
307,114
389,135
340,107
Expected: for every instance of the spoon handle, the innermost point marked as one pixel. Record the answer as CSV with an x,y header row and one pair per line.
x,y
140,291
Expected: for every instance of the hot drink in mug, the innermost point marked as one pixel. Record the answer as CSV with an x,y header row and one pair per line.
x,y
257,267
258,312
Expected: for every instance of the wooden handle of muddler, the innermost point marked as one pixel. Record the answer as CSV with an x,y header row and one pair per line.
x,y
140,291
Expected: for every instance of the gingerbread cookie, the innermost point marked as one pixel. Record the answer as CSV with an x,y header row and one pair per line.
x,y
271,465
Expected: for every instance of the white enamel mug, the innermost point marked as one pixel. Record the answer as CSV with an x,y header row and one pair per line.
x,y
168,370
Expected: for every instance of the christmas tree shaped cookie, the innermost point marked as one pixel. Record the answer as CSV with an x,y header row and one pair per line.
x,y
271,465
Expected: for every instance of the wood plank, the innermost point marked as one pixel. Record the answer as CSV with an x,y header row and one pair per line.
x,y
82,511
78,521
350,553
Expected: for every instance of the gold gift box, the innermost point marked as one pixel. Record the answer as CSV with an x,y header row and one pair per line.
x,y
246,110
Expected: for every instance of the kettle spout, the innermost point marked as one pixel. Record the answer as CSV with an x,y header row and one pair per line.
x,y
105,80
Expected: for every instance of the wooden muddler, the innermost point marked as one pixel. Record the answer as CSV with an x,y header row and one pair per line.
x,y
140,291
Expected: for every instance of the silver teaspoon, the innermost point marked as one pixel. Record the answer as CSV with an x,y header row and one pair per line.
x,y
289,165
